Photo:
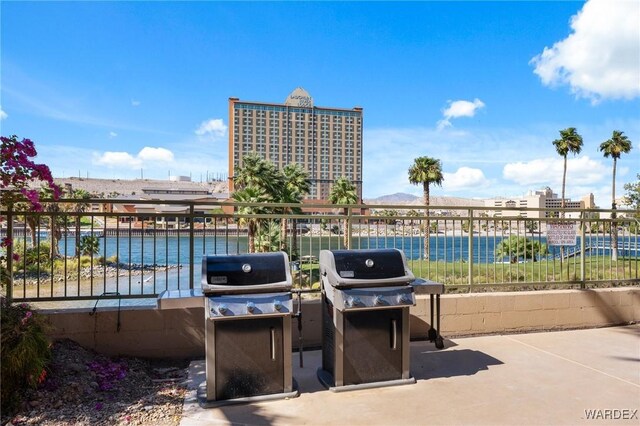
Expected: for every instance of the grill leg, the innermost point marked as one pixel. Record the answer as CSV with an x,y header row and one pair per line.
x,y
439,340
433,333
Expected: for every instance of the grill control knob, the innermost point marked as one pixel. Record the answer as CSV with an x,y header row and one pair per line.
x,y
355,301
251,307
369,263
277,305
222,308
246,268
378,300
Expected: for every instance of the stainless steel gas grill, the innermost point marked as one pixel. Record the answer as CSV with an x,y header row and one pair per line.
x,y
248,310
365,318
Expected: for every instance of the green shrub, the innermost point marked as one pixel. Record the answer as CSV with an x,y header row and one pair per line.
x,y
89,244
85,261
24,351
32,257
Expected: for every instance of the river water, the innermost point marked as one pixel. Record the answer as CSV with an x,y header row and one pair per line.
x,y
167,259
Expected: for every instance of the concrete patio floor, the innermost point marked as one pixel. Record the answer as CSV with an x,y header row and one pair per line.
x,y
538,378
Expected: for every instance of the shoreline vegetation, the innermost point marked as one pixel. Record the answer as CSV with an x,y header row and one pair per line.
x,y
409,230
97,271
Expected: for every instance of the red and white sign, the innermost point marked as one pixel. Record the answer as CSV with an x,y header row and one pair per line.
x,y
561,234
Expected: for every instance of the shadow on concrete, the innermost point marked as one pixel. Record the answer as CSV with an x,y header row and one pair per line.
x,y
249,414
633,329
431,364
427,346
626,358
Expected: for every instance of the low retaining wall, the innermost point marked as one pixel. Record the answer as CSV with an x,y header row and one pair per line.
x,y
179,332
496,313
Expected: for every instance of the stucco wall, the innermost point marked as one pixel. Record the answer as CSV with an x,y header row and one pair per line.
x,y
179,332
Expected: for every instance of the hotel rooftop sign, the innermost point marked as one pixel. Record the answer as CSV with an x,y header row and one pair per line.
x,y
299,98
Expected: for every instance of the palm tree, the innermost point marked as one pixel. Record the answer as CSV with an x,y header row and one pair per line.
x,y
570,142
79,207
258,172
425,171
615,147
343,192
256,196
257,181
296,186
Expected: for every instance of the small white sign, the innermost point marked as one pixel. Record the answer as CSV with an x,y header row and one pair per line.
x,y
561,234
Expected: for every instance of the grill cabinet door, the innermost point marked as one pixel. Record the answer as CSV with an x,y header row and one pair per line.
x,y
249,357
372,348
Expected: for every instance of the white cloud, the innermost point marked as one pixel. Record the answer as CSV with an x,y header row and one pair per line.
x,y
117,159
147,157
213,128
135,103
3,114
464,178
113,135
548,171
459,109
601,57
155,154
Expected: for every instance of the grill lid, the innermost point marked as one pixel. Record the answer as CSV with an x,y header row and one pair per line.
x,y
246,273
360,268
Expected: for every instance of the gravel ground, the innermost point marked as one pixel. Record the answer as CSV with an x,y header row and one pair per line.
x,y
86,388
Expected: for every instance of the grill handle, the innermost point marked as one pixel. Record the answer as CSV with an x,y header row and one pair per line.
x,y
273,344
394,335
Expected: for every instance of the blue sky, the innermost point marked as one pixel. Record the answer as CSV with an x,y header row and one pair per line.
x,y
111,88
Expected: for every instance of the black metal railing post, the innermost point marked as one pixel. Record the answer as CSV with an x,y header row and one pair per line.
x,y
191,245
470,250
10,252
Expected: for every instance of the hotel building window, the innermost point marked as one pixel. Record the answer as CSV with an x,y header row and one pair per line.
x,y
326,142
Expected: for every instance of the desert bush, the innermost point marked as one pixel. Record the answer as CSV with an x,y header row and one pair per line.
x,y
25,351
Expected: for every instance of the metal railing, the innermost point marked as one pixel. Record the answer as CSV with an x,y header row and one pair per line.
x,y
90,249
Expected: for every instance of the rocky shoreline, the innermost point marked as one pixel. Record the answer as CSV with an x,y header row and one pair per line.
x,y
86,273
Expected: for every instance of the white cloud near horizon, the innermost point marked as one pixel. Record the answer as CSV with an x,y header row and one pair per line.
x,y
600,59
155,154
113,135
135,103
3,114
548,171
148,156
463,179
213,128
458,109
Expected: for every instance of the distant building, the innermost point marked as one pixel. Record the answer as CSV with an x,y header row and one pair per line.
x,y
326,142
538,199
173,214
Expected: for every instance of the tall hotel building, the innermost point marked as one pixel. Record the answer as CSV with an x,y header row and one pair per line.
x,y
326,142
